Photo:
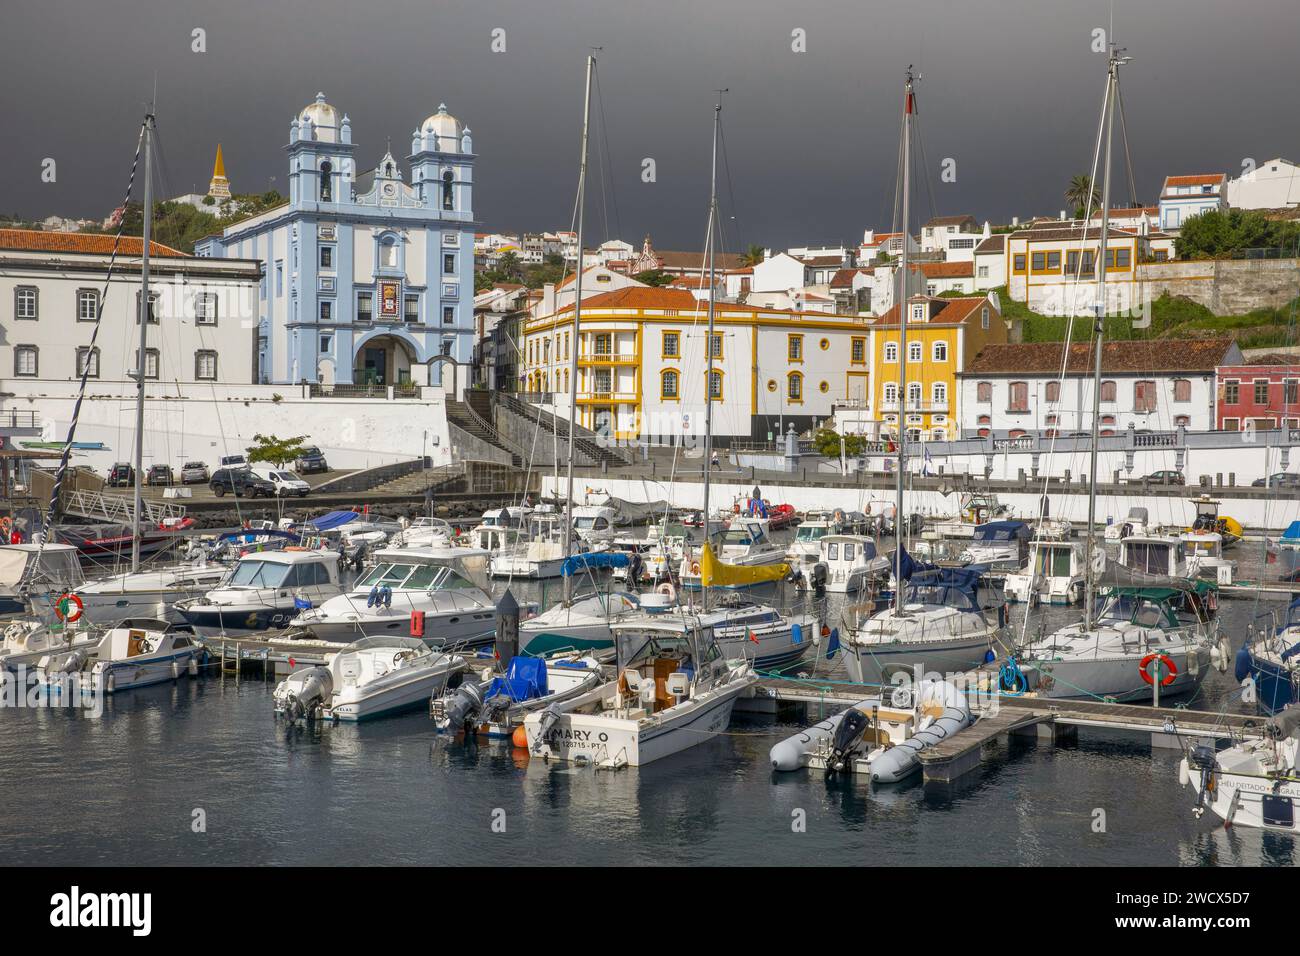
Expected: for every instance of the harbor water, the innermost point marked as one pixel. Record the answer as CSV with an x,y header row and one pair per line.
x,y
200,771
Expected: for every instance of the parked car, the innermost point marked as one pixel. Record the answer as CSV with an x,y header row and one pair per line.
x,y
233,461
1168,477
159,475
309,460
286,482
121,475
1282,479
241,483
194,473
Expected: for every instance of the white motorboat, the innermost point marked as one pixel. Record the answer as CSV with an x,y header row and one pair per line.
x,y
437,594
372,677
674,690
1154,553
806,546
998,546
746,543
151,593
940,628
852,562
538,557
26,641
1053,574
1137,521
1160,631
1253,783
426,532
584,625
974,509
125,657
1203,551
594,525
495,706
34,576
264,590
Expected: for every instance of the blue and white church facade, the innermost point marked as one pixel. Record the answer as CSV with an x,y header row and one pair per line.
x,y
367,278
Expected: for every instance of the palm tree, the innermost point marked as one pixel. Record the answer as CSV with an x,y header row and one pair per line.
x,y
752,257
1082,194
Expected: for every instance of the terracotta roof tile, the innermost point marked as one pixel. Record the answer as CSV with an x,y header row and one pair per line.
x,y
89,243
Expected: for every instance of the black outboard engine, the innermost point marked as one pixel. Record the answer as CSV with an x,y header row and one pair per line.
x,y
847,734
461,709
1202,758
546,720
817,579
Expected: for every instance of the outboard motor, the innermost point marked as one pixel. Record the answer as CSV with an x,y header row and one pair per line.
x,y
546,720
817,579
1203,759
461,709
302,694
847,735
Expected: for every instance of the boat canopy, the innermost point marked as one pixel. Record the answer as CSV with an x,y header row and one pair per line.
x,y
1122,577
1292,533
251,535
948,587
332,519
598,559
1002,531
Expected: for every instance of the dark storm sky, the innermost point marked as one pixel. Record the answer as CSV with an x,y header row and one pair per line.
x,y
1010,90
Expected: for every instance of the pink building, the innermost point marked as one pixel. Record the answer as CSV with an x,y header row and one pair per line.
x,y
1265,391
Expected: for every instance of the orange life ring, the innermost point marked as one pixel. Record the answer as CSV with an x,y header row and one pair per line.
x,y
695,567
6,523
60,608
1171,669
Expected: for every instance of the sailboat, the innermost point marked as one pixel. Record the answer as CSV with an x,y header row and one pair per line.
x,y
1153,633
936,622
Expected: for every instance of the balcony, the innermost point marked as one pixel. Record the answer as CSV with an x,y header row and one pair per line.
x,y
608,357
607,397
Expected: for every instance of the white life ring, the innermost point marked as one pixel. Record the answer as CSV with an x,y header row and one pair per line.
x,y
667,590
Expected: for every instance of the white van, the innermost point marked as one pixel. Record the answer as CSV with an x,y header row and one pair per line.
x,y
286,482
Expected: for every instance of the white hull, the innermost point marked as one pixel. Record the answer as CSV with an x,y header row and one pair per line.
x,y
875,663
410,694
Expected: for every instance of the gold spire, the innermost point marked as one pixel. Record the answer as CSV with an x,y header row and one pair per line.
x,y
219,188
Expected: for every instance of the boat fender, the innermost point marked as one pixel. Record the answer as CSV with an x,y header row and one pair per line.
x,y
176,669
192,668
1245,663
1219,656
110,683
372,598
387,594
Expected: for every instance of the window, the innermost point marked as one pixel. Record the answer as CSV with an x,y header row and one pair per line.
x,y
940,352
326,189
388,253
87,362
1231,393
1018,262
87,305
604,345
326,310
448,315
1053,262
983,272
205,365
1182,390
890,396
984,391
715,386
914,394
794,387
794,348
327,257
1261,391
153,308
26,361
205,308
914,351
939,393
1052,392
279,277
1183,421
984,317
326,343
1144,396
26,302
365,306
448,198
1018,397
672,345
448,264
717,345
668,384
891,351
858,351
1108,391
1072,262
1232,424
1290,393
1040,261
824,344
150,362
412,308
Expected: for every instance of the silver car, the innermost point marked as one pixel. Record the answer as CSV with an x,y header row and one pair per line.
x,y
194,472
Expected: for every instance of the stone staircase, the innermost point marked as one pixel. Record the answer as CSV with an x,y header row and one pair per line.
x,y
462,416
446,478
586,443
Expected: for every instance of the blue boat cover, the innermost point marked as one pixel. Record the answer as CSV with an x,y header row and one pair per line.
x,y
1292,531
911,566
1001,531
251,535
525,680
598,559
953,587
332,519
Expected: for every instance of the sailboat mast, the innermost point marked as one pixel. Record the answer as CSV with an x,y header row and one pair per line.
x,y
710,244
142,361
1099,328
577,318
908,106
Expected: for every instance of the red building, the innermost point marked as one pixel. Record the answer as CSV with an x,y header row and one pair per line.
x,y
1266,391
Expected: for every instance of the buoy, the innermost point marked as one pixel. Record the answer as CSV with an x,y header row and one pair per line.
x,y
61,608
1170,669
520,737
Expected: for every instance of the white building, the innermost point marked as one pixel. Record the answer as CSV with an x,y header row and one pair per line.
x,y
1183,197
203,327
1010,391
939,232
1271,185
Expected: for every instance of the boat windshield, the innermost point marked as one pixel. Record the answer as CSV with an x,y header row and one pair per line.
x,y
588,523
806,532
259,574
1151,557
748,534
1193,547
1128,608
1053,563
941,595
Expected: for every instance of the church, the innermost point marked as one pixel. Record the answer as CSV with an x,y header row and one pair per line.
x,y
368,278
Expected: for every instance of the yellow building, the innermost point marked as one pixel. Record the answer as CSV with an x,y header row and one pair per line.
x,y
942,336
642,366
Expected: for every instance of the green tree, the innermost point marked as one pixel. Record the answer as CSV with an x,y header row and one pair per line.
x,y
654,277
1082,193
752,257
827,443
1216,234
275,450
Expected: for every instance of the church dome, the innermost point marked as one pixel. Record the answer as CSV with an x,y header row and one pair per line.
x,y
445,127
323,118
